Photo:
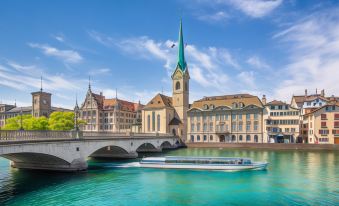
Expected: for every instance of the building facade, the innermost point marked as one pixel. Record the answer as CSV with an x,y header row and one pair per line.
x,y
322,124
231,118
164,114
281,123
109,115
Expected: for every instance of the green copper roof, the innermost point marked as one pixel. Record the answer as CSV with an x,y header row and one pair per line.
x,y
181,57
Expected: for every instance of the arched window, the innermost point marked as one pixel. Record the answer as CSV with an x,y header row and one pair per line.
x,y
255,138
240,138
186,86
174,132
235,105
205,106
158,122
248,138
153,121
177,86
198,138
211,137
233,138
148,123
192,138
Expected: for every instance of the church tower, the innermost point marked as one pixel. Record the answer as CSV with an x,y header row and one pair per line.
x,y
180,78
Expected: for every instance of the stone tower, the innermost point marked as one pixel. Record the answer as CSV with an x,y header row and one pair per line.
x,y
180,78
41,103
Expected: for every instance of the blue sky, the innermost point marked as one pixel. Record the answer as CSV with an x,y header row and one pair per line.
x,y
272,47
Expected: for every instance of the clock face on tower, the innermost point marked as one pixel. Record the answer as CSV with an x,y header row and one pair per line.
x,y
44,101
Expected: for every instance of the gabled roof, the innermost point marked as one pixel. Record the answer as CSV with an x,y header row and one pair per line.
x,y
333,103
123,104
227,100
276,102
159,101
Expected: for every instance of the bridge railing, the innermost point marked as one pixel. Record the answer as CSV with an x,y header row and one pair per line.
x,y
122,135
26,135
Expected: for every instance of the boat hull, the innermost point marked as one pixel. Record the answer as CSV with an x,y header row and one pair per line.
x,y
254,166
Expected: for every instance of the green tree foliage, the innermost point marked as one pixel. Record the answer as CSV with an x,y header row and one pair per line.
x,y
61,121
14,123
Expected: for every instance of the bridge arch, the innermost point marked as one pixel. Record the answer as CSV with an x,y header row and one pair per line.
x,y
111,151
42,161
166,145
147,147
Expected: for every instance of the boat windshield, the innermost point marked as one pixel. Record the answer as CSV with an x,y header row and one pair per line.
x,y
228,161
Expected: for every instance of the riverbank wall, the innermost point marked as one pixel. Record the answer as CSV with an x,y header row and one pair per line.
x,y
270,146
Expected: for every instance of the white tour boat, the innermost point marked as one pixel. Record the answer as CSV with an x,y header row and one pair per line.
x,y
202,163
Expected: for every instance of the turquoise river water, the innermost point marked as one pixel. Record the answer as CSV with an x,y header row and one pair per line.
x,y
292,178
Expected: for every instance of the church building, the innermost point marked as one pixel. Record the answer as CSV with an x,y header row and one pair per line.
x,y
165,114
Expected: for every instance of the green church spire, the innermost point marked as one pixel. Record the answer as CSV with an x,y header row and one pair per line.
x,y
181,56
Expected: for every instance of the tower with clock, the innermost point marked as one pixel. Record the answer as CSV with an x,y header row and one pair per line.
x,y
41,103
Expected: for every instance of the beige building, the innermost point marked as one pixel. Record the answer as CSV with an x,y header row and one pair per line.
x,y
230,118
109,115
322,124
281,122
165,114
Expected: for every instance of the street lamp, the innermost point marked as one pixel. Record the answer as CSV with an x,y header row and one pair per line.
x,y
21,128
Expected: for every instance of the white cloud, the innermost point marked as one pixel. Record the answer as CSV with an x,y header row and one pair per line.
x,y
99,71
247,77
69,56
254,8
256,62
214,17
313,45
24,78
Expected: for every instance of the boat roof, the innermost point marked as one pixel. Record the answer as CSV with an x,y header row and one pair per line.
x,y
193,158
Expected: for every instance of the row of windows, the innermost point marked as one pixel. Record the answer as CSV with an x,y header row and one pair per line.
x,y
106,114
283,122
223,128
153,122
277,129
223,139
289,113
326,131
279,107
223,117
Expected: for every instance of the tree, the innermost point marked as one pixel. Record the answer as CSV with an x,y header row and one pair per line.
x,y
14,123
62,121
40,123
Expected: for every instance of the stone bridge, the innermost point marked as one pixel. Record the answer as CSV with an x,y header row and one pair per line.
x,y
69,150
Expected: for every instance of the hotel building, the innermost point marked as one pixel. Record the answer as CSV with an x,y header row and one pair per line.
x,y
231,118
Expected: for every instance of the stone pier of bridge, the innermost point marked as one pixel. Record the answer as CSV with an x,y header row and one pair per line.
x,y
69,151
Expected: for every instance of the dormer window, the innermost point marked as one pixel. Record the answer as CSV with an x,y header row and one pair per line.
x,y
235,105
212,106
205,106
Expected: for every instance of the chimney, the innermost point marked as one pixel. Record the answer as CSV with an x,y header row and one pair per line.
x,y
263,100
305,92
323,93
316,90
100,93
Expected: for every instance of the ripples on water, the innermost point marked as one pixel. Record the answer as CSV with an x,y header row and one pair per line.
x,y
293,178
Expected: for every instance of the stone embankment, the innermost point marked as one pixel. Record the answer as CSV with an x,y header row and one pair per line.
x,y
263,146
